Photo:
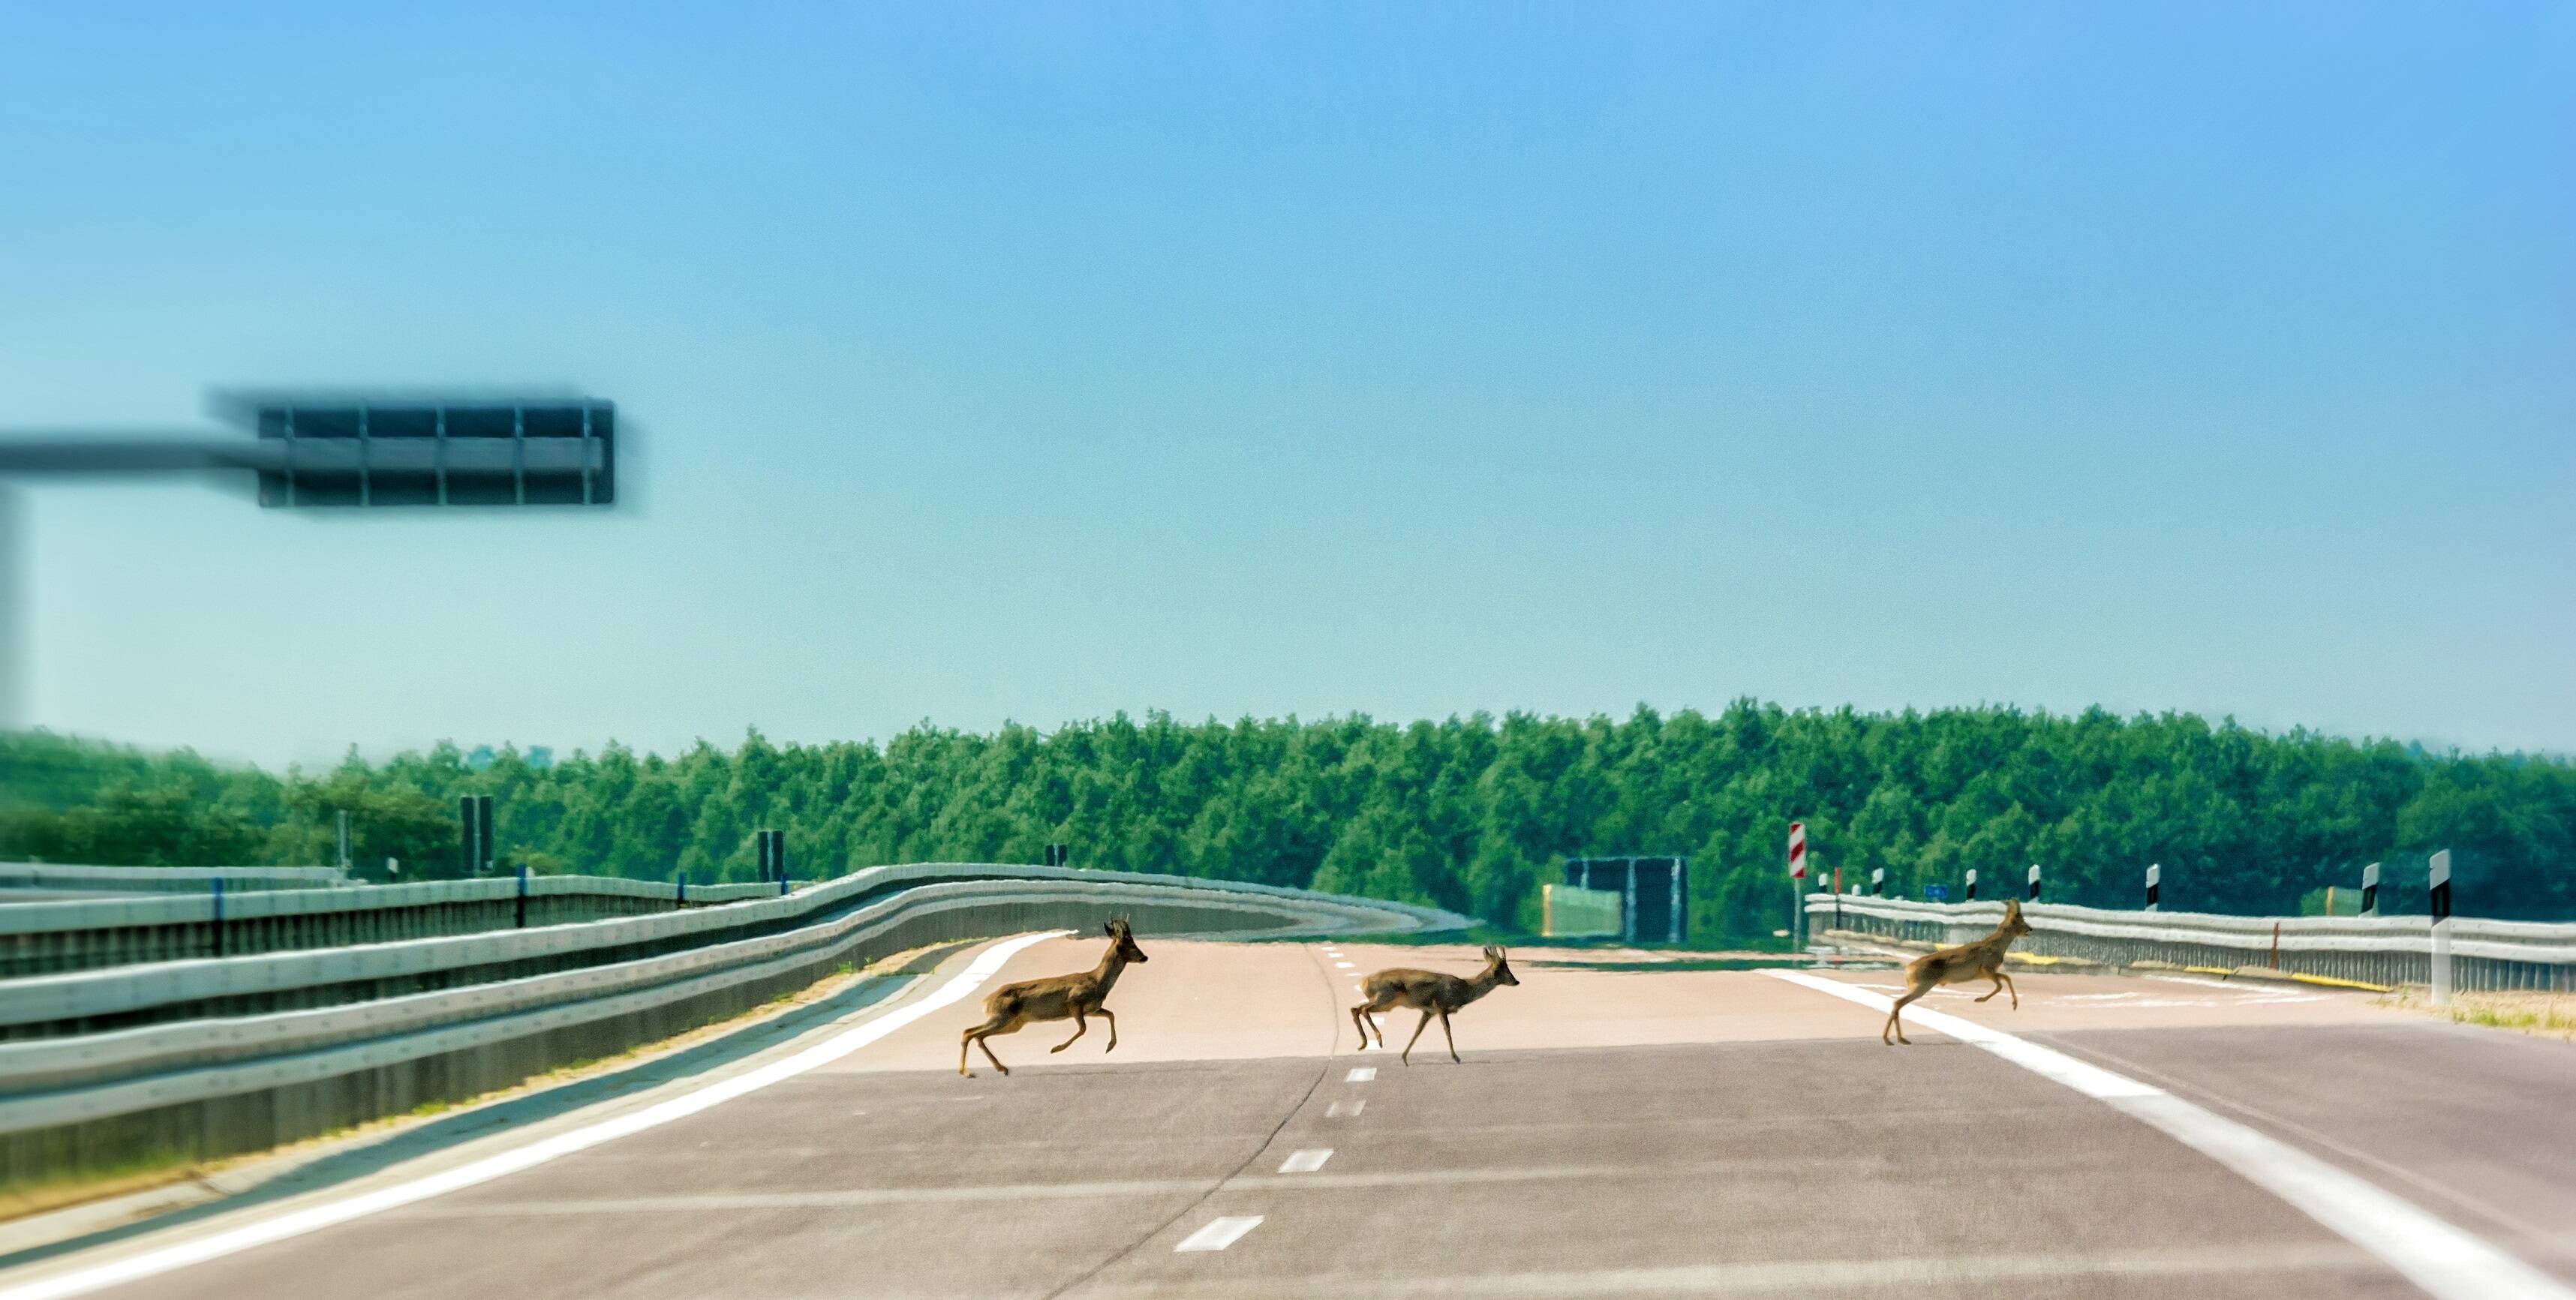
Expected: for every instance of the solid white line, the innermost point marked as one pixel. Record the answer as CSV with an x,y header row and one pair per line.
x,y
296,1223
1305,1162
2445,1261
1218,1234
1361,1075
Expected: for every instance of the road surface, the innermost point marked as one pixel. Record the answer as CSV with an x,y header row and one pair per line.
x,y
1612,1132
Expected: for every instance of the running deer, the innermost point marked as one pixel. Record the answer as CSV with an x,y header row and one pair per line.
x,y
1429,992
1982,960
1057,997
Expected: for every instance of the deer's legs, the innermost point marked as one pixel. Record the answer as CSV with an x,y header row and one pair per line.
x,y
1899,1005
1368,1023
2008,987
988,1054
1419,1026
1998,980
1000,1024
1080,1027
1453,1041
1103,1013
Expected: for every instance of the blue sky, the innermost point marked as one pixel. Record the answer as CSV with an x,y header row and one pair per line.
x,y
1038,362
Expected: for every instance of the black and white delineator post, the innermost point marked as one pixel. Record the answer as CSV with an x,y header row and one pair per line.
x,y
2438,878
2370,890
1877,880
344,841
1058,855
2155,882
1972,884
2034,882
1797,882
772,848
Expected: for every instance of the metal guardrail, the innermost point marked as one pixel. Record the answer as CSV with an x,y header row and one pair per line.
x,y
205,1087
124,996
49,937
2385,951
64,877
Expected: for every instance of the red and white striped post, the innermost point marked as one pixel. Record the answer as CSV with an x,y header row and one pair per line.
x,y
1797,881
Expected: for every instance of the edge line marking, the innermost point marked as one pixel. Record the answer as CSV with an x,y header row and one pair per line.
x,y
2445,1260
296,1223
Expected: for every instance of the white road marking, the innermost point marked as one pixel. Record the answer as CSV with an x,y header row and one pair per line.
x,y
2445,1261
1218,1234
1340,1108
1305,1162
1363,1074
296,1223
1343,965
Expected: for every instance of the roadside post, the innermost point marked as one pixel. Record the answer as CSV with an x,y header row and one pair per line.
x,y
1797,884
2155,882
2370,890
1877,881
2439,881
2034,882
1972,886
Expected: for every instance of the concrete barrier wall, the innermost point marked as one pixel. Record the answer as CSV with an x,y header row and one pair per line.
x,y
100,1105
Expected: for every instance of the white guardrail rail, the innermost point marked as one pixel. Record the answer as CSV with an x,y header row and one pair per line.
x,y
2378,951
75,1104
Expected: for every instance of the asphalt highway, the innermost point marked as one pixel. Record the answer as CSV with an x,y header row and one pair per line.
x,y
1612,1132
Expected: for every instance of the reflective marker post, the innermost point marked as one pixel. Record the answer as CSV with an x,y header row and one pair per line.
x,y
1877,880
2439,880
2034,882
2155,879
1797,882
2370,890
1972,885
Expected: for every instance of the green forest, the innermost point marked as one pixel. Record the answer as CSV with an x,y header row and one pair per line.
x,y
1470,813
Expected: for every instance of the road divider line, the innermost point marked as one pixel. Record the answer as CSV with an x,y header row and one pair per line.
x,y
2444,1260
1306,1161
311,1218
1218,1234
1363,1074
1341,1108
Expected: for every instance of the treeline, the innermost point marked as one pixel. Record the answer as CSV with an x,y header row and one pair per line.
x,y
1471,814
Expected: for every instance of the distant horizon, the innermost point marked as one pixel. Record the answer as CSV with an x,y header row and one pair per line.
x,y
378,754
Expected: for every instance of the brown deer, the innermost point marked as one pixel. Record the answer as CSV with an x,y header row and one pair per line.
x,y
1431,993
1982,960
1057,997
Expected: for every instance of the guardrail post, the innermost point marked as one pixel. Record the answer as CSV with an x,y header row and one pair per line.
x,y
523,896
681,899
219,916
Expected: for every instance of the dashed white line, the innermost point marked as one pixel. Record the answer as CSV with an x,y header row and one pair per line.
x,y
1341,1108
1343,965
1218,1234
2445,1261
1306,1161
1363,1074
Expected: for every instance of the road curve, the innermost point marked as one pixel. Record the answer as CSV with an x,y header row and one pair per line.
x,y
1613,1132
